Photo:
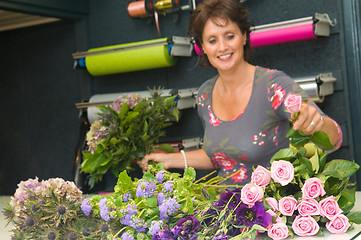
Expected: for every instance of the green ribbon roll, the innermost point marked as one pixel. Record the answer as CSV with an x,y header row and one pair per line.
x,y
132,57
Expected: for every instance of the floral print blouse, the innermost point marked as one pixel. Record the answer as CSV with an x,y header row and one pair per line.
x,y
253,137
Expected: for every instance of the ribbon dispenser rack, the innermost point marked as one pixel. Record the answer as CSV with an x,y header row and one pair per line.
x,y
135,56
317,87
292,30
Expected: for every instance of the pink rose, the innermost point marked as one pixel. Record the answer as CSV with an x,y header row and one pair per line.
x,y
293,102
339,224
282,172
261,176
329,208
308,207
287,205
312,188
305,226
251,193
278,231
272,202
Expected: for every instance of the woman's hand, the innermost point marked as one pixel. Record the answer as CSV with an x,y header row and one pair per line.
x,y
309,120
156,157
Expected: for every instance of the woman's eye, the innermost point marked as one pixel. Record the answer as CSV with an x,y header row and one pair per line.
x,y
212,41
230,36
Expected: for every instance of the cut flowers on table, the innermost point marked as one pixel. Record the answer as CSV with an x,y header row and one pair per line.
x,y
127,130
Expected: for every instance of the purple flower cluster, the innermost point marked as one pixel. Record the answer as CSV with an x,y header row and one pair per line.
x,y
127,196
104,209
86,207
127,236
127,214
130,99
146,189
168,207
155,227
168,186
160,176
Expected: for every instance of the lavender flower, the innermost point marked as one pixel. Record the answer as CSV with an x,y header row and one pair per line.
x,y
221,237
138,224
160,176
86,207
127,214
155,227
168,207
146,189
255,215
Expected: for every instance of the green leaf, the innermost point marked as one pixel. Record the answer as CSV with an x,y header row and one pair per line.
x,y
165,147
307,163
124,182
355,217
340,169
189,174
90,165
123,110
152,202
322,140
347,199
283,154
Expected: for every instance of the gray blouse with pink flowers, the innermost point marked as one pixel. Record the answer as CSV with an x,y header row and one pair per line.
x,y
252,138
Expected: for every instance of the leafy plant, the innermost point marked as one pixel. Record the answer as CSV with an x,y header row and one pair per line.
x,y
128,134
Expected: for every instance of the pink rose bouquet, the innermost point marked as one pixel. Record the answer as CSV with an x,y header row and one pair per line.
x,y
261,176
282,172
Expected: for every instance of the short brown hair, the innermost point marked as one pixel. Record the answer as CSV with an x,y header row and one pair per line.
x,y
228,10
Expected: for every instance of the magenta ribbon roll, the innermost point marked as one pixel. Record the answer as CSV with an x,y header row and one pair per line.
x,y
282,35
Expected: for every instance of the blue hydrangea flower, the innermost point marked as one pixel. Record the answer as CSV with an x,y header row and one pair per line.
x,y
168,186
155,227
168,207
86,207
146,189
160,176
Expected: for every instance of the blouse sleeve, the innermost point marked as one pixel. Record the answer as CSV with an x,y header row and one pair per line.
x,y
279,86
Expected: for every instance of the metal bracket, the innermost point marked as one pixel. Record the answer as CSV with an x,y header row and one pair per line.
x,y
326,84
181,47
191,143
186,98
322,23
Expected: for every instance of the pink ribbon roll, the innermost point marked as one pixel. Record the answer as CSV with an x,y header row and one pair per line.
x,y
282,35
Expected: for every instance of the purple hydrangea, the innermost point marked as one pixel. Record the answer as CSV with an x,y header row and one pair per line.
x,y
146,189
86,207
160,176
168,207
127,196
127,236
104,209
155,227
160,198
138,224
168,186
248,216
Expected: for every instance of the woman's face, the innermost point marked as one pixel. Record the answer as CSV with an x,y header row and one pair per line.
x,y
223,44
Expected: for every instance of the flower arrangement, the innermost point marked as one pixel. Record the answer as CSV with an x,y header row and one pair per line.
x,y
297,195
127,130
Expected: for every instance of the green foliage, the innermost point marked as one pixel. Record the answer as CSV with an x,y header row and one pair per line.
x,y
131,134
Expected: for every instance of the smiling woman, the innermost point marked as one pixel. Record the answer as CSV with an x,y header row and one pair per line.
x,y
242,108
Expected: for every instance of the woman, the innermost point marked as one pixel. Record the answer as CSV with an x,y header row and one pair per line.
x,y
242,110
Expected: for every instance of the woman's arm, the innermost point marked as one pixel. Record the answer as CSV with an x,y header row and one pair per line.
x,y
197,159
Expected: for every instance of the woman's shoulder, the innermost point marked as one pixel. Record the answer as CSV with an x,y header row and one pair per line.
x,y
267,74
207,86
